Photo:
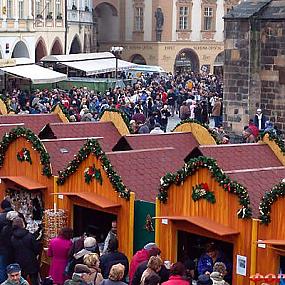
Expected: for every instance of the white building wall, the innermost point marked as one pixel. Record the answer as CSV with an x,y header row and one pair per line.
x,y
219,36
174,22
129,20
148,20
196,21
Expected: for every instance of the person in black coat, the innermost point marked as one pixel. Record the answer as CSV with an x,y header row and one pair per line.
x,y
163,273
113,257
26,249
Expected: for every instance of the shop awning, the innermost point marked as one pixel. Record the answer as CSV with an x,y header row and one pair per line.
x,y
93,199
36,73
204,223
24,182
98,66
272,242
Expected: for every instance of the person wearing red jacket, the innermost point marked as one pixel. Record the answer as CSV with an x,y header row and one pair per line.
x,y
177,272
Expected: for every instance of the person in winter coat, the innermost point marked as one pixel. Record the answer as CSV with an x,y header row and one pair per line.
x,y
153,267
153,279
26,249
90,246
115,276
140,256
14,275
81,276
163,272
113,257
58,251
93,263
177,271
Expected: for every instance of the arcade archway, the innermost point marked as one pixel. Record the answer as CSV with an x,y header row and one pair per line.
x,y
41,50
75,46
219,63
138,59
186,61
56,47
108,24
20,50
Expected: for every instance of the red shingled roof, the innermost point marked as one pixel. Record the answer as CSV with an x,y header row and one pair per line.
x,y
241,156
141,170
184,143
257,182
33,122
62,152
107,130
6,128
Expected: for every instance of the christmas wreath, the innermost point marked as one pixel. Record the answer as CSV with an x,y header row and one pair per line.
x,y
24,155
92,172
202,191
225,182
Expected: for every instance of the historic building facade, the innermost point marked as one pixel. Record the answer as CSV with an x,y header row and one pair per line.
x,y
175,34
36,28
254,70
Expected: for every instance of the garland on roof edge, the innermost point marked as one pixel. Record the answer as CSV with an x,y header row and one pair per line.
x,y
122,113
63,109
273,137
92,146
37,145
211,132
268,199
225,182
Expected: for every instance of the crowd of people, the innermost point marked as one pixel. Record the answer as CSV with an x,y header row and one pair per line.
x,y
80,261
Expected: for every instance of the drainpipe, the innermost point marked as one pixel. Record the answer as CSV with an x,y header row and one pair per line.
x,y
253,250
66,27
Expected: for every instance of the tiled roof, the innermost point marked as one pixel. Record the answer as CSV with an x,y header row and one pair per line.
x,y
62,152
241,156
33,122
258,182
5,128
183,143
275,10
247,9
141,170
107,130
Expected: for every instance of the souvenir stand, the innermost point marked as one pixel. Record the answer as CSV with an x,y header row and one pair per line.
x,y
93,194
200,204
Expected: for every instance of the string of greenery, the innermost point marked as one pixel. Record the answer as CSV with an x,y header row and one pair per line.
x,y
63,109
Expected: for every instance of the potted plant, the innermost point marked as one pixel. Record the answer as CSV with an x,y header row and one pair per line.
x,y
49,15
59,16
86,9
74,7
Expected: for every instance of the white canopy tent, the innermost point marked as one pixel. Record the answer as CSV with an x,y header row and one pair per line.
x,y
77,57
36,73
92,67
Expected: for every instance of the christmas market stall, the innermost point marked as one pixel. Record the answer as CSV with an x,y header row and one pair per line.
x,y
212,199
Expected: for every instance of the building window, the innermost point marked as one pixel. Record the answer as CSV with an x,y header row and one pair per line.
x,y
38,8
139,19
208,18
58,8
21,9
10,9
183,18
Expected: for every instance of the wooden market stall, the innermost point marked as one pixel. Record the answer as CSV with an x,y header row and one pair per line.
x,y
203,134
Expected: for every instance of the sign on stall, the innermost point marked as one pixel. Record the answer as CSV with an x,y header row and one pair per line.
x,y
241,265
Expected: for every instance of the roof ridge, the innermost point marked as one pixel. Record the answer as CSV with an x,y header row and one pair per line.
x,y
70,139
78,123
164,134
255,169
231,145
139,150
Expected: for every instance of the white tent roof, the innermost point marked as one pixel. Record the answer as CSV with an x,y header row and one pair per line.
x,y
77,57
98,66
35,73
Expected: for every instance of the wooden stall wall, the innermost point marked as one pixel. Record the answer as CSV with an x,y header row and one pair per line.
x,y
57,110
275,230
224,211
3,107
13,167
201,134
125,213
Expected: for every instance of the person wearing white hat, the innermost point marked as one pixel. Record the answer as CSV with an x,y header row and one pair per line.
x,y
260,119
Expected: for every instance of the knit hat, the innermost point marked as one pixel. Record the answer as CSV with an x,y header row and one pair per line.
x,y
5,204
204,279
12,268
150,245
12,215
81,268
89,242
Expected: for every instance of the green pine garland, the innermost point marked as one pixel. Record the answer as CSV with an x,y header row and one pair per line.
x,y
278,191
93,147
204,162
211,132
202,191
122,113
24,155
276,139
37,145
63,109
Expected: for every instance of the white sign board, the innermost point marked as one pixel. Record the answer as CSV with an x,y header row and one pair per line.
x,y
241,265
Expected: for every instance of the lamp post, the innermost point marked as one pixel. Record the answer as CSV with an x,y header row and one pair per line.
x,y
116,51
